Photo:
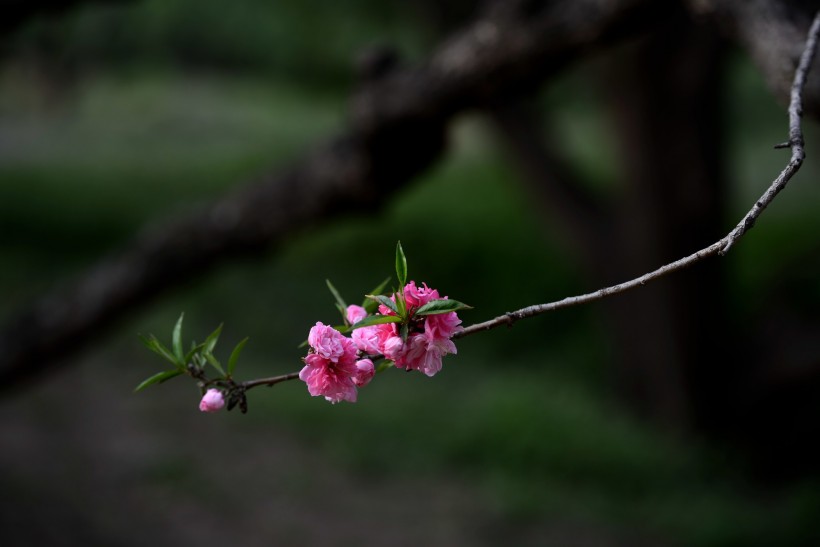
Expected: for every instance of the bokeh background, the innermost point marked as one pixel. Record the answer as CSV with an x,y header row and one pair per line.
x,y
115,116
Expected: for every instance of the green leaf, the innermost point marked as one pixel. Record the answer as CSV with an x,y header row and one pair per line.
x,y
214,363
401,304
210,342
152,343
158,378
403,331
401,265
194,349
340,303
235,356
371,320
368,303
176,341
441,306
381,299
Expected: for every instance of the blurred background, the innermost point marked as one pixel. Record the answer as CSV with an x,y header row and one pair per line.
x,y
679,414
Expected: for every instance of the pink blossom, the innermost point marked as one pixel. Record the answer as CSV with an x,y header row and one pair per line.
x,y
393,347
212,401
436,349
331,344
355,314
365,372
331,365
367,340
333,382
419,296
442,325
384,332
424,351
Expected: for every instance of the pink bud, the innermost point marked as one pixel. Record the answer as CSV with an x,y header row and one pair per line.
x,y
364,372
355,314
211,401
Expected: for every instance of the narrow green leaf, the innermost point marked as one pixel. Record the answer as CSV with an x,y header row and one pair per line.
x,y
302,345
340,303
152,343
441,306
401,304
214,363
403,331
381,299
371,305
158,378
235,356
401,265
371,320
194,349
210,342
176,341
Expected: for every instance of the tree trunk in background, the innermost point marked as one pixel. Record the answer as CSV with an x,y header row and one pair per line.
x,y
674,359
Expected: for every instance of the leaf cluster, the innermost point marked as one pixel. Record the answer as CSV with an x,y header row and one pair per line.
x,y
194,362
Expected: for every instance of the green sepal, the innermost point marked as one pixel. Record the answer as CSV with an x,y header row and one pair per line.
x,y
401,265
384,365
151,342
370,305
371,320
382,299
441,306
158,378
176,340
235,356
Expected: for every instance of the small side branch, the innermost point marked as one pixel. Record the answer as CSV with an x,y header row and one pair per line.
x,y
795,139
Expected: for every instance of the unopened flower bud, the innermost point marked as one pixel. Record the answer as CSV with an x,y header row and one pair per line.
x,y
212,401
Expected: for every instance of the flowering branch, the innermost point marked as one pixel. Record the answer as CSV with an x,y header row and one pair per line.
x,y
414,327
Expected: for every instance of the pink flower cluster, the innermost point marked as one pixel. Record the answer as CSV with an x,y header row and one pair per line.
x,y
332,368
336,365
428,338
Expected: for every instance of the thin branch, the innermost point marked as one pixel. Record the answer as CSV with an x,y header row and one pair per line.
x,y
268,381
720,247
